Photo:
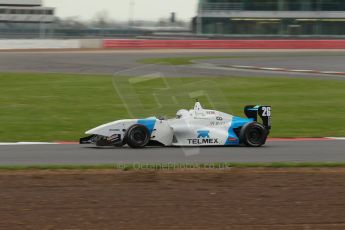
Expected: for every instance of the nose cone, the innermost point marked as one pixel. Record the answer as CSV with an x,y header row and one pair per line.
x,y
100,130
109,128
90,132
94,130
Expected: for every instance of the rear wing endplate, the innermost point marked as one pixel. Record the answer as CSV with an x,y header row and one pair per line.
x,y
257,111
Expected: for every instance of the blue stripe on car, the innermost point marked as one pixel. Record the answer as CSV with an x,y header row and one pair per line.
x,y
256,108
236,123
148,123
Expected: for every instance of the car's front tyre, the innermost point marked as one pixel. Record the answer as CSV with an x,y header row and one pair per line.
x,y
253,134
137,136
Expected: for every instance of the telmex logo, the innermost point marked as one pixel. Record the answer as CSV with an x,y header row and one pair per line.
x,y
203,134
203,138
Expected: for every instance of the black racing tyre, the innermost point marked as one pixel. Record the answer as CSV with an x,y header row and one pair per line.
x,y
253,134
137,136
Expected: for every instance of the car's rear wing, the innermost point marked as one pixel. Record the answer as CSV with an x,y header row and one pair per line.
x,y
264,112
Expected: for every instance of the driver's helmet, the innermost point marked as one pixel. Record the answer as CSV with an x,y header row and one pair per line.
x,y
182,114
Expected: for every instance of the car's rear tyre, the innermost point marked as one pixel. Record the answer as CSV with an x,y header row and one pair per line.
x,y
137,136
253,134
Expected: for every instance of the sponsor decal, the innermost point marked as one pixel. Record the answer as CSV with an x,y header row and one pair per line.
x,y
219,118
232,139
203,137
114,130
218,123
210,112
203,134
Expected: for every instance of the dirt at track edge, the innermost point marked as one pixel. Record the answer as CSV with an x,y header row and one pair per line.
x,y
258,198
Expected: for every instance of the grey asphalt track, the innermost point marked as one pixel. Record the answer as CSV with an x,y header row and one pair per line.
x,y
277,151
126,62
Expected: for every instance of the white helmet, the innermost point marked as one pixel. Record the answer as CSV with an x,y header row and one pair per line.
x,y
182,114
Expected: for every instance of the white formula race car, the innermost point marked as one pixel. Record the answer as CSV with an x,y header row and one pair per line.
x,y
196,127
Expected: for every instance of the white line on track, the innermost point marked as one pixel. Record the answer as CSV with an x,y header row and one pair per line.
x,y
273,69
333,72
244,66
336,138
27,143
302,70
286,70
74,143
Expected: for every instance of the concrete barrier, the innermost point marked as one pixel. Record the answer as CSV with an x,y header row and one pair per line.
x,y
222,44
19,44
91,43
39,44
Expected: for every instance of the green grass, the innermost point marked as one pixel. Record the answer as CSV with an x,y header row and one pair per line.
x,y
52,107
57,167
131,167
180,60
